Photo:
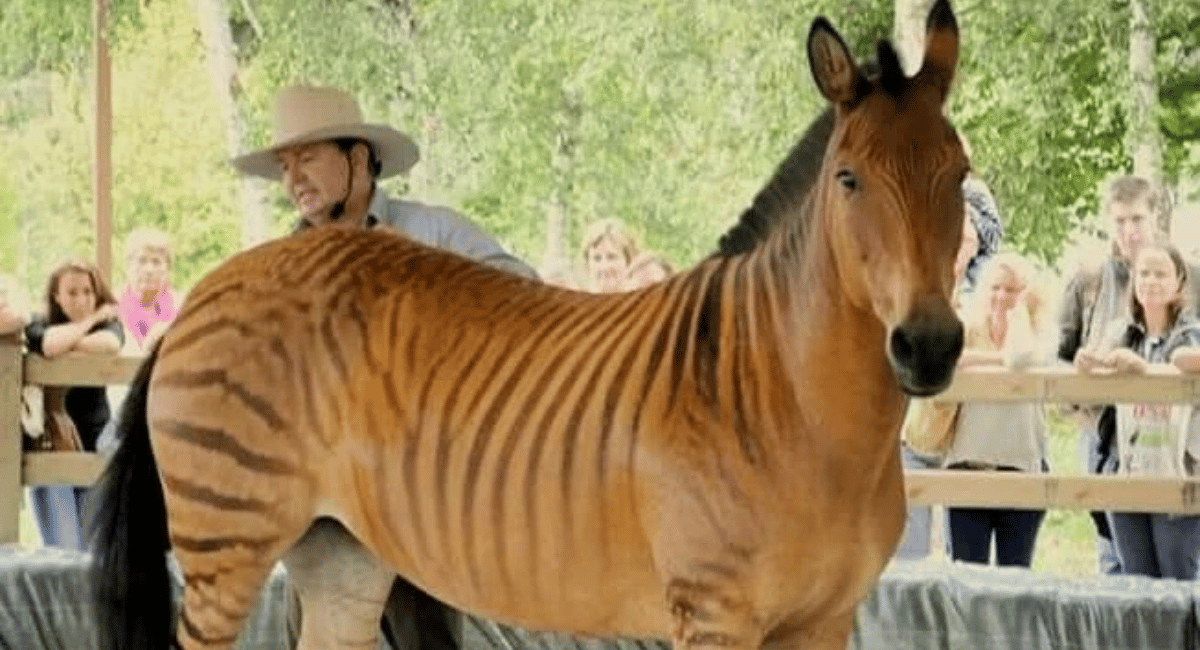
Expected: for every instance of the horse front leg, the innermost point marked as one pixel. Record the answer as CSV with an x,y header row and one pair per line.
x,y
829,633
712,612
342,587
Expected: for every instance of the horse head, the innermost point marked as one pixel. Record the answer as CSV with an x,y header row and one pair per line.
x,y
890,195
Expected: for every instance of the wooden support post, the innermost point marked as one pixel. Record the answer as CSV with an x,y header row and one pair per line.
x,y
102,172
11,492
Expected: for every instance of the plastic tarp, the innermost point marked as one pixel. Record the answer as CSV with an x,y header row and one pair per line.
x,y
43,605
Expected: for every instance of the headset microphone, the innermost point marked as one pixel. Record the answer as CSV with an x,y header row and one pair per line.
x,y
339,208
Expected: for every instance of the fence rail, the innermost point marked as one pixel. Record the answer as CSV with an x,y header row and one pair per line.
x,y
1063,385
978,489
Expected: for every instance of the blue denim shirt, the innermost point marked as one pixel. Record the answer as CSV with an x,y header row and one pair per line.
x,y
440,227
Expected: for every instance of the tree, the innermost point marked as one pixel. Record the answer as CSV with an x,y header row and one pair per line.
x,y
563,161
1144,139
908,32
222,63
540,116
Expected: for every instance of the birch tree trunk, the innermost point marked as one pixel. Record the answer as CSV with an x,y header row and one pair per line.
x,y
1144,141
430,172
222,64
908,33
556,257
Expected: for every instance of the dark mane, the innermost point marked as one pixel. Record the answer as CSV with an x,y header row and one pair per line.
x,y
793,179
797,174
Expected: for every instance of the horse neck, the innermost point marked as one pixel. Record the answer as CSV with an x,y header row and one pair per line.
x,y
831,352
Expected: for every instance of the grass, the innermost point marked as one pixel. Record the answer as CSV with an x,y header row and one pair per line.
x,y
29,536
1066,544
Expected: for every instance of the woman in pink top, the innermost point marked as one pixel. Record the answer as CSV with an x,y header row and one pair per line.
x,y
148,304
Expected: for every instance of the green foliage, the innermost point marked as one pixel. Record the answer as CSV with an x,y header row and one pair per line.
x,y
1040,100
1179,87
168,157
40,35
673,114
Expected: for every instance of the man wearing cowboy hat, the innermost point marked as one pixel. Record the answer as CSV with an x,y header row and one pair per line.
x,y
328,160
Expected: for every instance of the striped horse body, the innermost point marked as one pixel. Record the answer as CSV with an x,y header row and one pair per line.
x,y
713,459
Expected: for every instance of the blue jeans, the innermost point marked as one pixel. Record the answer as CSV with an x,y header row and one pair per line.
x,y
1157,545
1089,454
1015,531
914,543
59,510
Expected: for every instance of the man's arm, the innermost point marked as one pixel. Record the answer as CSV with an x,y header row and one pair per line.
x,y
447,229
1070,318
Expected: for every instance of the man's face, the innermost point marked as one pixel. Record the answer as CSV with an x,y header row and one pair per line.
x,y
316,177
1132,226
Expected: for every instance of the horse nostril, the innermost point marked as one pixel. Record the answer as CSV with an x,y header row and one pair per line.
x,y
956,340
911,344
902,345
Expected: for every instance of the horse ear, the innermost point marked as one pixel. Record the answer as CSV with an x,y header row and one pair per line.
x,y
832,66
941,47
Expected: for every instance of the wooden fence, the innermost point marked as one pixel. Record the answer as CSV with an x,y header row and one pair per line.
x,y
1000,489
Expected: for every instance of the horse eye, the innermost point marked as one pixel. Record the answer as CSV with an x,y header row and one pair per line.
x,y
847,179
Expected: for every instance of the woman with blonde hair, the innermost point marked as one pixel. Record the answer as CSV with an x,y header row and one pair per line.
x,y
147,302
1007,323
607,249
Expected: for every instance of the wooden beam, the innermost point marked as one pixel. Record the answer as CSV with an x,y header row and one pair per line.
x,y
80,370
1064,385
62,468
11,493
923,487
1046,491
102,113
1049,384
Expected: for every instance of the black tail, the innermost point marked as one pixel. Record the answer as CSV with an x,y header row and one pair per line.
x,y
132,586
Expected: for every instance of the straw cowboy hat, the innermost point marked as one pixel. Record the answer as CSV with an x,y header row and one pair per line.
x,y
305,114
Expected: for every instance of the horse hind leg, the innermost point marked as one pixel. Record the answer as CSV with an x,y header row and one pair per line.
x,y
227,541
342,588
223,579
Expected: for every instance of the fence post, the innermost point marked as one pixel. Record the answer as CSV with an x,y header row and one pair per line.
x,y
11,492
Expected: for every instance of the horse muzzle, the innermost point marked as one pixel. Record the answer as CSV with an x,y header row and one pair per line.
x,y
924,352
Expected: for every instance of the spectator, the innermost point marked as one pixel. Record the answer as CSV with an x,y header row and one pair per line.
x,y
148,303
608,248
984,217
1152,439
329,161
647,269
1005,325
80,317
1094,299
